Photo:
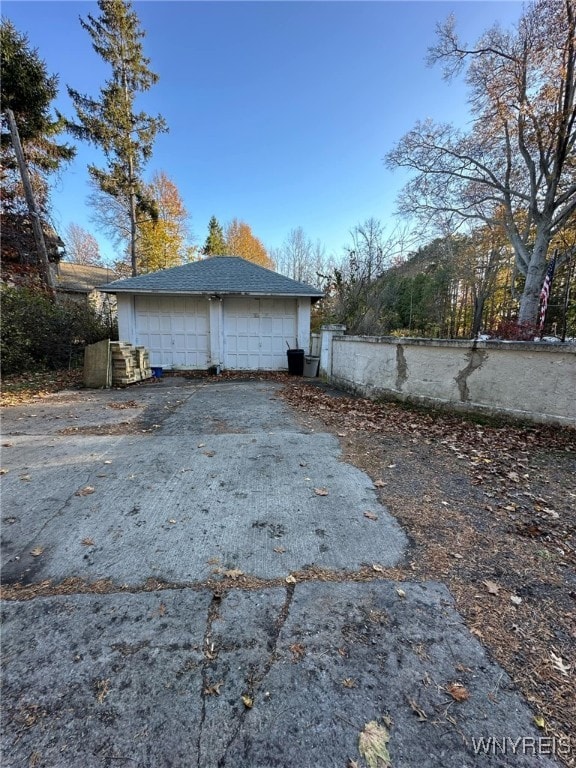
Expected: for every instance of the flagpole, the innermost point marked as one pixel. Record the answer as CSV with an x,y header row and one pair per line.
x,y
545,292
566,299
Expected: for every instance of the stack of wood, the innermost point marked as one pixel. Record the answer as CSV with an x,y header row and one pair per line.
x,y
129,364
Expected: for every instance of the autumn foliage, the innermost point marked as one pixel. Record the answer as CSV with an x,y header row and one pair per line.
x,y
241,242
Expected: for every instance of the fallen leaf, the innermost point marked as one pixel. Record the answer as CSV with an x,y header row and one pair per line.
x,y
279,550
320,491
352,764
210,652
515,599
213,560
102,690
213,689
458,691
417,710
378,568
540,722
172,521
559,664
372,745
297,650
201,445
233,573
379,484
290,579
107,461
248,701
492,587
37,551
86,491
209,453
401,593
25,477
88,542
370,515
457,555
7,445
349,682
391,466
5,472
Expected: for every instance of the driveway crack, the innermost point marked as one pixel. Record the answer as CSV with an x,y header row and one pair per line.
x,y
210,653
254,682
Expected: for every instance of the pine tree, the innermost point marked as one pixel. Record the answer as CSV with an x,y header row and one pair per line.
x,y
111,122
27,90
215,244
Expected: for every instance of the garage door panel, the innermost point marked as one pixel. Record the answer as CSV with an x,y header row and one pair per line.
x,y
256,332
174,329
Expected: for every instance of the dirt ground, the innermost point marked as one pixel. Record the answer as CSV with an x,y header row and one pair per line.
x,y
490,511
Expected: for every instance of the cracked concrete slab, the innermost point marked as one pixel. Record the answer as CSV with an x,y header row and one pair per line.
x,y
209,477
157,679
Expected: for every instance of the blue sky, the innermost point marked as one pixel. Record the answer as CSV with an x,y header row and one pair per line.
x,y
280,113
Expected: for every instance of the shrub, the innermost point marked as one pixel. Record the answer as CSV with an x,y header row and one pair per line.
x,y
39,334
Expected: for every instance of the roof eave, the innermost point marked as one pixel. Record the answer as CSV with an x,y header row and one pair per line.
x,y
164,291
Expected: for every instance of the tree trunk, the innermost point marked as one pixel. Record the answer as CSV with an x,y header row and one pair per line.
x,y
133,261
32,207
530,299
478,311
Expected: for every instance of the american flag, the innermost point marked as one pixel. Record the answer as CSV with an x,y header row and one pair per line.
x,y
545,292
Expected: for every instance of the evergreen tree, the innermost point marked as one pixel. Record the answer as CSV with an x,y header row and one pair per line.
x,y
27,90
111,122
215,244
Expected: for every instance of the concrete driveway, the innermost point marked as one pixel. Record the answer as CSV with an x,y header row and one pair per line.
x,y
197,501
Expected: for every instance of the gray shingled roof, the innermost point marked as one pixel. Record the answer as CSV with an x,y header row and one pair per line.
x,y
217,275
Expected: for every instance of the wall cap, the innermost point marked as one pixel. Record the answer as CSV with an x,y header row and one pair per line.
x,y
526,346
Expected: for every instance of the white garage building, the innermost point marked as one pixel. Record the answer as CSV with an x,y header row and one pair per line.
x,y
222,311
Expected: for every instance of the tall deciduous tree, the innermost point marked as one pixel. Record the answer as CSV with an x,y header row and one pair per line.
x,y
111,121
241,242
81,246
516,167
215,244
164,242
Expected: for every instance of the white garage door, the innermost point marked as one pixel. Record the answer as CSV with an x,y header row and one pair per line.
x,y
256,333
175,329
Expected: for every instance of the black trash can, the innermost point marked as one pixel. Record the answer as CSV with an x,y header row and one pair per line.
x,y
295,362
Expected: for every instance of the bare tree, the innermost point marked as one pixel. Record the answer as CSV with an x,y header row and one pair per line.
x,y
300,258
515,168
81,246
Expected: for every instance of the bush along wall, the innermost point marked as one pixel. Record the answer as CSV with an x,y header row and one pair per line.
x,y
38,334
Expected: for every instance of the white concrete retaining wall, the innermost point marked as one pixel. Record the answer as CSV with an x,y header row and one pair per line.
x,y
533,381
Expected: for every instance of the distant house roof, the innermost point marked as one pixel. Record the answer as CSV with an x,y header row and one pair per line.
x,y
215,275
81,278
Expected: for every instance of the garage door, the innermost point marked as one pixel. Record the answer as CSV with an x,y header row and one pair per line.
x,y
174,329
256,332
